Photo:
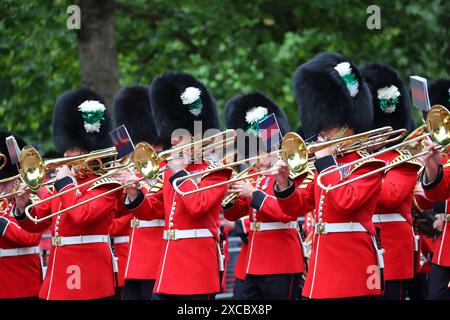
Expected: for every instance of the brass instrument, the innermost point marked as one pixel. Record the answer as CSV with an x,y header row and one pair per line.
x,y
294,152
438,127
3,161
232,197
144,158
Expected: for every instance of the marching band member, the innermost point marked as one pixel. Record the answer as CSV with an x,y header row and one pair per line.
x,y
345,261
140,264
20,264
274,260
435,182
393,212
190,261
81,264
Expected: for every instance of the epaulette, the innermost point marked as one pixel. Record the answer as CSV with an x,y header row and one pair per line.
x,y
102,182
364,154
404,155
307,180
214,165
154,188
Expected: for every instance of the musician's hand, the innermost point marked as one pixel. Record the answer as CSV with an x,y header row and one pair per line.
x,y
438,222
23,197
63,172
125,177
178,163
431,160
281,174
245,189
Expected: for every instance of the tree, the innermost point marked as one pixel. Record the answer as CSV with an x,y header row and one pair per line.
x,y
97,47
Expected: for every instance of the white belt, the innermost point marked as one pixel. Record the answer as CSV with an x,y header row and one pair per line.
x,y
187,234
135,223
18,251
388,217
122,239
265,226
324,228
67,241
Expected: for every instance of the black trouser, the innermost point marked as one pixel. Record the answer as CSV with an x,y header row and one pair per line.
x,y
272,287
418,287
393,290
237,290
157,296
439,281
138,289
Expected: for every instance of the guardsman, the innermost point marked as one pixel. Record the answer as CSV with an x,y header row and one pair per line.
x,y
275,260
20,264
81,264
435,182
190,261
140,264
393,214
345,261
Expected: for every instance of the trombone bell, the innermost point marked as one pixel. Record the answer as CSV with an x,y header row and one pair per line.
x,y
32,168
146,160
438,125
294,152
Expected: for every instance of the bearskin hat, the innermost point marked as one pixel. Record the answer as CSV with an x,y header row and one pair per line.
x,y
80,119
241,109
330,92
132,108
390,99
178,100
9,170
439,93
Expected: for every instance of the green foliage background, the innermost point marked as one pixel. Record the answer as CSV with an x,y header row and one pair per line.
x,y
233,46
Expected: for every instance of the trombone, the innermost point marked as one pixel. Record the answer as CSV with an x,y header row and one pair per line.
x,y
294,152
144,158
3,161
438,126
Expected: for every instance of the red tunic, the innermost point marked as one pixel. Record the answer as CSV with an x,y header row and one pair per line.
x,y
145,243
341,264
271,251
79,271
397,238
187,266
241,263
120,227
20,276
439,190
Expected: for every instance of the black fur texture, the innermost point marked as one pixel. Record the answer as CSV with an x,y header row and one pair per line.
x,y
170,114
9,170
237,107
323,100
132,108
68,124
378,76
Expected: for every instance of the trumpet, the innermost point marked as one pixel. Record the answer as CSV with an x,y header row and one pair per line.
x,y
438,127
144,159
294,152
3,161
